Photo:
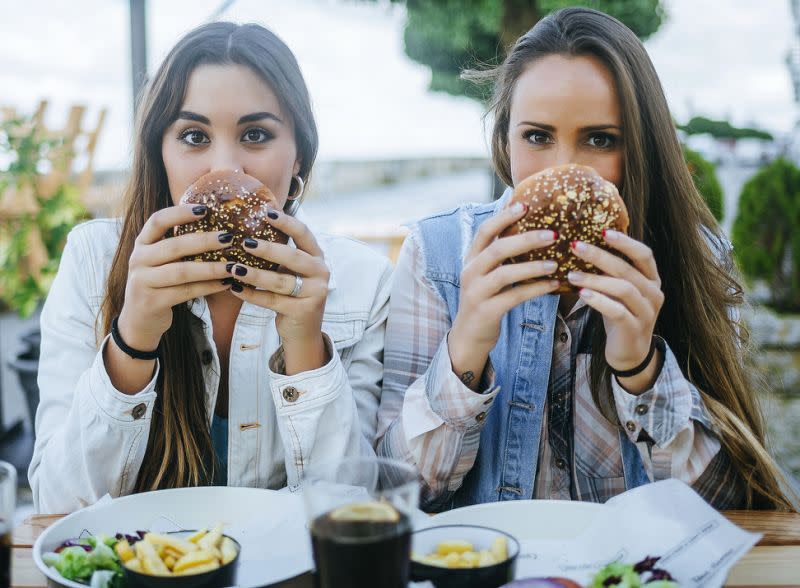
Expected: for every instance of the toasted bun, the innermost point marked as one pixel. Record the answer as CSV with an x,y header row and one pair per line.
x,y
575,201
237,203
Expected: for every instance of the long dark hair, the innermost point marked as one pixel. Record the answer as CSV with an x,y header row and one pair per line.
x,y
179,448
668,214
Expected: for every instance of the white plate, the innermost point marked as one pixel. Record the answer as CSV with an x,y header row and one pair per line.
x,y
270,526
526,519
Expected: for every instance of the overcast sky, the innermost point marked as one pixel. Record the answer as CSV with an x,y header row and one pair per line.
x,y
724,58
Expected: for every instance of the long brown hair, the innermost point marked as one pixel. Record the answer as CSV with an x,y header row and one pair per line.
x,y
179,450
669,215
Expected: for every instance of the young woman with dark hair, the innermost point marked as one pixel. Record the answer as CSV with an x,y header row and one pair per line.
x,y
250,384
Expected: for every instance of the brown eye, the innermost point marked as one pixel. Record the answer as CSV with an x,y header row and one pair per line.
x,y
538,137
194,137
256,135
602,141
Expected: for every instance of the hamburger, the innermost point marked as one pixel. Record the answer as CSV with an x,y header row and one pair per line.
x,y
577,203
237,203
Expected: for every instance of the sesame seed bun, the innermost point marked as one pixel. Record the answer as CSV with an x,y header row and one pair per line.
x,y
575,201
237,203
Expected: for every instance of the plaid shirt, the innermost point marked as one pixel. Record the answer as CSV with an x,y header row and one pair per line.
x,y
429,418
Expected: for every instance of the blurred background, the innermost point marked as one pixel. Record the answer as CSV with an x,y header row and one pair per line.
x,y
401,137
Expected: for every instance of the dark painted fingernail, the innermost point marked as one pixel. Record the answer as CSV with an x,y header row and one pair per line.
x,y
225,237
241,270
250,243
272,214
229,265
227,281
200,209
237,288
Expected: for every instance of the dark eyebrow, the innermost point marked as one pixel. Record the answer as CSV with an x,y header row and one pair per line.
x,y
248,118
186,115
551,128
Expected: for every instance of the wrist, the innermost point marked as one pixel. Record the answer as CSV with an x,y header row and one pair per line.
x,y
136,338
302,355
643,377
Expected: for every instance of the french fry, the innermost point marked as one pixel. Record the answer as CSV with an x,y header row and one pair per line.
x,y
134,564
169,561
124,550
151,563
211,539
485,558
194,559
182,546
199,569
228,550
499,549
197,536
455,546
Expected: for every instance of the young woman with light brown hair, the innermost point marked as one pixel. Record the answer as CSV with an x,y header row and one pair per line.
x,y
157,372
500,391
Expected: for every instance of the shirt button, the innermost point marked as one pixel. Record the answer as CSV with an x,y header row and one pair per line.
x,y
642,409
138,411
488,401
631,426
290,394
480,417
563,337
207,357
561,464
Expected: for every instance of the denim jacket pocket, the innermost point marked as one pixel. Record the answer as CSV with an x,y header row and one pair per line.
x,y
345,330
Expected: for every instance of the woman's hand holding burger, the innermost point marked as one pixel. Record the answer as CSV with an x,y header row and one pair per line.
x,y
297,293
158,279
629,297
488,289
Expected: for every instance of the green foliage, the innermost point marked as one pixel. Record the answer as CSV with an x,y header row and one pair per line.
x,y
705,180
449,36
765,236
722,129
23,156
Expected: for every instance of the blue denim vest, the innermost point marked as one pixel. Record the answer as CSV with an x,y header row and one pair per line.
x,y
505,467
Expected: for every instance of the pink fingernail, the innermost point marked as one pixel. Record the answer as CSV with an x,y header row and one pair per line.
x,y
584,293
610,235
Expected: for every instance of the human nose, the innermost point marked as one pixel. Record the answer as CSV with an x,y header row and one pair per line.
x,y
225,157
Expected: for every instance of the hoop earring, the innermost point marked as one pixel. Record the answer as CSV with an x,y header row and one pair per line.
x,y
293,201
301,187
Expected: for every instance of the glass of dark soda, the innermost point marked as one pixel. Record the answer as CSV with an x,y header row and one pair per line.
x,y
360,517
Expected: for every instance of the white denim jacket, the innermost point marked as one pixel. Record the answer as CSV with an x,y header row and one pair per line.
x,y
91,438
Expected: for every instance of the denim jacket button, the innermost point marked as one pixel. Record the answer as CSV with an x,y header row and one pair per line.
x,y
138,411
563,337
561,464
631,426
290,394
480,417
642,409
207,357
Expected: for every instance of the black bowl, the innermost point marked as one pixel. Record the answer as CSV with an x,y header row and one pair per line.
x,y
220,578
425,541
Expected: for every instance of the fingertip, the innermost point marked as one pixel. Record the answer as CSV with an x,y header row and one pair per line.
x,y
519,208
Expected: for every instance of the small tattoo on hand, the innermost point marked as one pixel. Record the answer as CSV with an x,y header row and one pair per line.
x,y
467,378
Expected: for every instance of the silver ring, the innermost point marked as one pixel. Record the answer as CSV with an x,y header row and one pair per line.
x,y
298,285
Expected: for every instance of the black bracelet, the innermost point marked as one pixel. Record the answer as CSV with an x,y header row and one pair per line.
x,y
639,368
127,349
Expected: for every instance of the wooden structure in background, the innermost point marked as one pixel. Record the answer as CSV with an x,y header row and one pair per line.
x,y
70,161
